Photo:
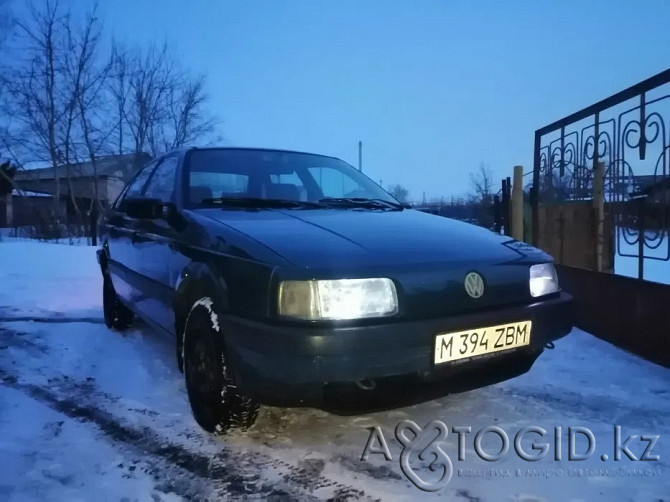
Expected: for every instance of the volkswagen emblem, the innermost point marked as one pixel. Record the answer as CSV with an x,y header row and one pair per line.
x,y
474,285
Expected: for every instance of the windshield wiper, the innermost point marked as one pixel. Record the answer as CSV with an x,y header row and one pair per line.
x,y
258,202
362,202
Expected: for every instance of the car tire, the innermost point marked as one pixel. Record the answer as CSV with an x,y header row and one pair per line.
x,y
216,401
117,315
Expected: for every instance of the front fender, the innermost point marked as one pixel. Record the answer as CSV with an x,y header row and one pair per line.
x,y
196,280
237,286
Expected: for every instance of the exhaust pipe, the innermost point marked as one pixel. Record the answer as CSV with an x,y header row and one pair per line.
x,y
366,383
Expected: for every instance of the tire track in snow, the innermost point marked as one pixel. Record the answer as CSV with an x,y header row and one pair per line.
x,y
185,472
141,441
226,472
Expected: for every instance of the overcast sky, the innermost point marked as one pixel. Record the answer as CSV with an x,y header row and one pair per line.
x,y
432,88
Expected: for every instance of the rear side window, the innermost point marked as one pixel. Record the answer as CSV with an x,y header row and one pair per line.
x,y
162,183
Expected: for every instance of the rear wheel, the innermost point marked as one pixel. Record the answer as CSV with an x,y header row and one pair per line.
x,y
117,315
217,404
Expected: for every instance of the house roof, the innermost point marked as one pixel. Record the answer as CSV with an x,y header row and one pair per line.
x,y
112,166
26,193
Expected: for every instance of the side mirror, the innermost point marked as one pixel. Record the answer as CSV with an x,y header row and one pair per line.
x,y
144,208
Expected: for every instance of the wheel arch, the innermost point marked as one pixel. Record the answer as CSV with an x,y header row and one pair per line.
x,y
197,280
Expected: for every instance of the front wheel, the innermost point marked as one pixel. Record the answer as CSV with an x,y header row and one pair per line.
x,y
117,315
217,404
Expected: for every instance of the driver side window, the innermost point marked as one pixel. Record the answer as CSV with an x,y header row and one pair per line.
x,y
136,186
162,182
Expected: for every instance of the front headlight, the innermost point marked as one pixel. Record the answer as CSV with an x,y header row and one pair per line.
x,y
338,299
543,280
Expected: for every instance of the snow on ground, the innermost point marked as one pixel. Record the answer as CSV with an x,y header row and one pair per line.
x,y
87,413
53,280
27,234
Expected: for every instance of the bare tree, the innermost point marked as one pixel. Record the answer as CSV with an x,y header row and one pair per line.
x,y
119,90
150,80
187,120
6,26
158,104
6,20
53,93
35,92
399,192
63,101
89,74
482,183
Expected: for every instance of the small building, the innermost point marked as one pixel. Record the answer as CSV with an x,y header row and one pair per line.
x,y
110,174
80,181
26,208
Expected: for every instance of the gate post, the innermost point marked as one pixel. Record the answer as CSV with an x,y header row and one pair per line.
x,y
505,207
535,193
517,204
497,214
508,214
599,212
641,231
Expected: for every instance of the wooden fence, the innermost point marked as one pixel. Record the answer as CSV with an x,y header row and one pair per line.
x,y
569,234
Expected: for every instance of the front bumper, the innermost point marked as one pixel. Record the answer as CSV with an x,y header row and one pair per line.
x,y
290,365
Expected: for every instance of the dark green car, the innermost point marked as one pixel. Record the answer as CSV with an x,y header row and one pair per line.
x,y
281,274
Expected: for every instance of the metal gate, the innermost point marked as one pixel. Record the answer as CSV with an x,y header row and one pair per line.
x,y
627,138
627,133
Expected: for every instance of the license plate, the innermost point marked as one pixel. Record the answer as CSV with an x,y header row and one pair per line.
x,y
475,342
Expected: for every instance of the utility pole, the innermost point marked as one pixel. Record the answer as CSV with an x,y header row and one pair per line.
x,y
360,156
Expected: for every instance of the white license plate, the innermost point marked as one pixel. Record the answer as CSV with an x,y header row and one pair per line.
x,y
475,342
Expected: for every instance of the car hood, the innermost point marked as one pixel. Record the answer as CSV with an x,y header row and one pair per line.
x,y
328,237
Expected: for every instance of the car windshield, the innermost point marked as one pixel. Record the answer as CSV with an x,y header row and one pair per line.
x,y
295,179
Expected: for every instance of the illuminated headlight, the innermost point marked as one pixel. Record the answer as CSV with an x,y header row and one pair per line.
x,y
543,280
338,299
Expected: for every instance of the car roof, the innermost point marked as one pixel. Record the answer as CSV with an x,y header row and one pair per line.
x,y
192,148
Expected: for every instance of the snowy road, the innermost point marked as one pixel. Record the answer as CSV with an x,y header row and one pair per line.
x,y
91,414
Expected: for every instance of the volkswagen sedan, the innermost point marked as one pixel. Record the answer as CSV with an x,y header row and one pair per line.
x,y
278,274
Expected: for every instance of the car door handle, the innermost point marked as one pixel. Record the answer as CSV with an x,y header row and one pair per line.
x,y
135,237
